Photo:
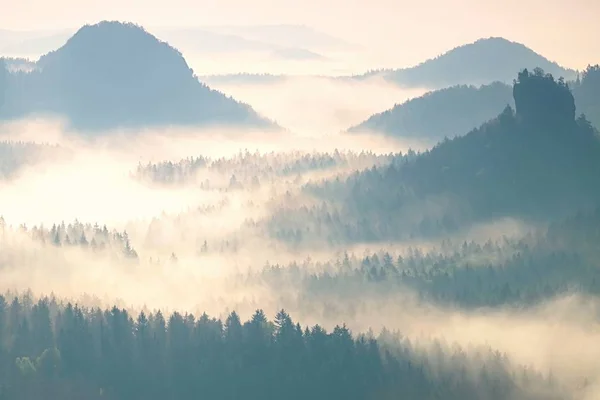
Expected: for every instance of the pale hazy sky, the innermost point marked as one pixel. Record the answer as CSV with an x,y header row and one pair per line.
x,y
563,30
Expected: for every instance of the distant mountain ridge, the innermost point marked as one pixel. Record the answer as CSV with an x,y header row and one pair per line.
x,y
115,74
31,43
481,62
288,36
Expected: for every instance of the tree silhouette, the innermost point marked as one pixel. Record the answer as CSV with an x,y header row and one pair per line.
x,y
542,102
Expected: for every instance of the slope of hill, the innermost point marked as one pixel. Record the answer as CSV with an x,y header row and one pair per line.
x,y
117,75
441,113
481,62
536,164
587,94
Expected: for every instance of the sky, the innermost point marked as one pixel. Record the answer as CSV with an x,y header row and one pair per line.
x,y
565,31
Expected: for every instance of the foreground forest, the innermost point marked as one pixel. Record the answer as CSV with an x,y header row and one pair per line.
x,y
65,351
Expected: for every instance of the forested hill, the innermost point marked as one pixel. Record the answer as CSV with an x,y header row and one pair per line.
x,y
116,74
442,113
481,62
537,163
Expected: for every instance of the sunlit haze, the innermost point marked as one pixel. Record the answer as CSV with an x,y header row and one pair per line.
x,y
272,199
390,33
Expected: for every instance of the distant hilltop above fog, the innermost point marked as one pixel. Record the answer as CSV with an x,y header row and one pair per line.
x,y
113,74
484,61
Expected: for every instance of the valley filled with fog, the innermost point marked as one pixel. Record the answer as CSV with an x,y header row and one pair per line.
x,y
413,233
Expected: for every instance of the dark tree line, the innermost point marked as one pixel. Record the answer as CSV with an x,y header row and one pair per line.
x,y
472,280
248,169
50,350
519,272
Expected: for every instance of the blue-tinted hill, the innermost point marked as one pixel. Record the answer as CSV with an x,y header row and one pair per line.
x,y
116,74
442,113
481,62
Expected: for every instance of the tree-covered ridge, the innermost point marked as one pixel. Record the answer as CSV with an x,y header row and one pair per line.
x,y
250,169
75,234
442,113
67,351
518,272
483,61
586,90
115,74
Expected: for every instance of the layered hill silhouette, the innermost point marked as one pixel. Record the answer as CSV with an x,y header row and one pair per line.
x,y
245,79
484,61
458,109
442,113
116,74
535,162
